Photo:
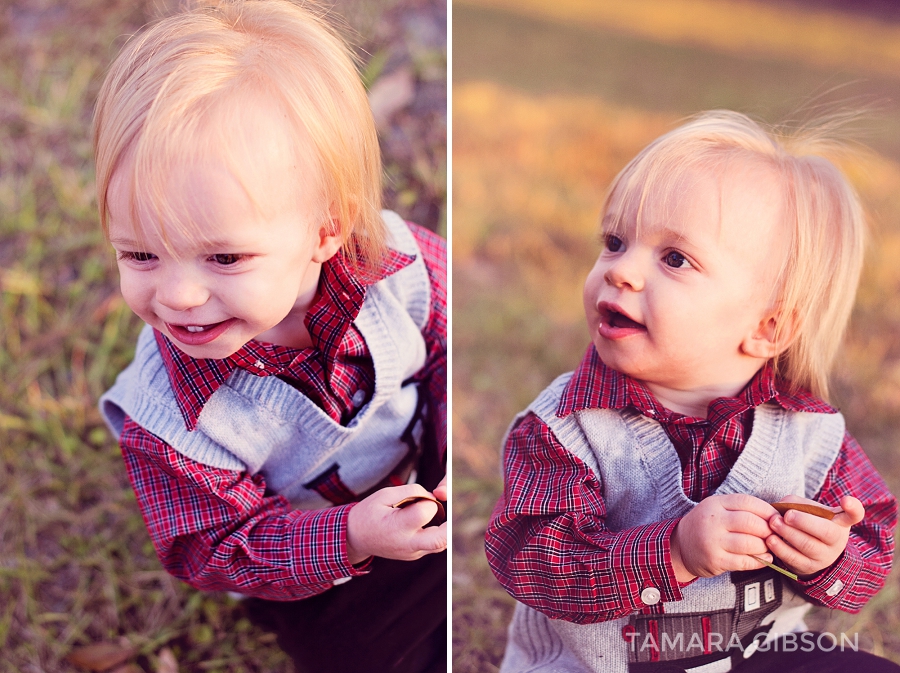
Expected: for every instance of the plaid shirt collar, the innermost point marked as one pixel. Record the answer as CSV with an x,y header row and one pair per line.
x,y
595,386
338,302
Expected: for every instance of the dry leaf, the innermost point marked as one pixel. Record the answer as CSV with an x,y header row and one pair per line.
x,y
823,512
167,663
390,94
99,656
128,668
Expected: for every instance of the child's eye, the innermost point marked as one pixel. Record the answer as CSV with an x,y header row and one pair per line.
x,y
136,256
676,260
227,259
614,243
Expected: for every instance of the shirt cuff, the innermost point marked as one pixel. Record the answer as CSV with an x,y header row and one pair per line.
x,y
652,580
320,546
830,586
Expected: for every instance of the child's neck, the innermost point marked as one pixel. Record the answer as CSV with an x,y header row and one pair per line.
x,y
694,402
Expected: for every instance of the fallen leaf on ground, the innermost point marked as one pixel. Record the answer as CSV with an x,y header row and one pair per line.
x,y
99,656
167,662
390,94
128,668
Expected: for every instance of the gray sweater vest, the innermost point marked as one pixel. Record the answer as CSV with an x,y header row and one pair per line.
x,y
264,425
640,474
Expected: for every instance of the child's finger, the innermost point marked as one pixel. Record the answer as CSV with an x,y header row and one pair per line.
x,y
417,514
741,545
741,502
853,512
808,538
745,561
440,491
431,540
749,523
794,525
803,560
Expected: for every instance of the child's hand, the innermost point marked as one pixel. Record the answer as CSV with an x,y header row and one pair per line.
x,y
719,535
806,543
376,528
440,491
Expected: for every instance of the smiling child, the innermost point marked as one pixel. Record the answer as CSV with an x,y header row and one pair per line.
x,y
289,387
636,523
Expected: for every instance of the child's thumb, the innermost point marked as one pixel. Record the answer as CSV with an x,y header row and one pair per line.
x,y
431,540
853,512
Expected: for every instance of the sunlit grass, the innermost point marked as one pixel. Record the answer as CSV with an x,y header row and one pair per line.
x,y
743,27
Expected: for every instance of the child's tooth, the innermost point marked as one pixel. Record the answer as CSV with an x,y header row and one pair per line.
x,y
193,328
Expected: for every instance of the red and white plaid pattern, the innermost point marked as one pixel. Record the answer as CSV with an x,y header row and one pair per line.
x,y
218,529
550,548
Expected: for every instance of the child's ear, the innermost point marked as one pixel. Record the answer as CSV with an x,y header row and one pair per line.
x,y
329,242
771,337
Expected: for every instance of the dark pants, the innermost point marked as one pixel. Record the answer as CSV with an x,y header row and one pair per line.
x,y
832,658
800,653
393,620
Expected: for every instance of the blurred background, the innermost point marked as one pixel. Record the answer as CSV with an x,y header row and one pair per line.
x,y
80,586
550,100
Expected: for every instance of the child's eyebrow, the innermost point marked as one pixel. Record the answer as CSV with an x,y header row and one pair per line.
x,y
124,242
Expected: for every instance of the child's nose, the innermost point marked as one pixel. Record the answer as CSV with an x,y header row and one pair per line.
x,y
625,272
180,291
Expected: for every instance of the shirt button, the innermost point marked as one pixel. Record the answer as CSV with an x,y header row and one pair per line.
x,y
358,397
835,588
650,596
259,364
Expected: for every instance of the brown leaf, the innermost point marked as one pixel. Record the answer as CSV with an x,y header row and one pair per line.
x,y
783,507
167,662
99,656
390,94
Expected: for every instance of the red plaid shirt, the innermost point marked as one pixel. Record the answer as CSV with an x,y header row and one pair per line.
x,y
219,529
547,541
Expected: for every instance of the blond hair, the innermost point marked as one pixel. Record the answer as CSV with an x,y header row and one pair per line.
x,y
815,289
170,80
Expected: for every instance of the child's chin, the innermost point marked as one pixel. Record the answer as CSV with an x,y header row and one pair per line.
x,y
216,350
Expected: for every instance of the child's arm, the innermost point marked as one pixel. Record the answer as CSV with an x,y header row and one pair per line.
x,y
847,560
548,543
217,530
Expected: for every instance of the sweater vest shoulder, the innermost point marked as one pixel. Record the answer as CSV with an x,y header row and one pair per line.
x,y
787,453
264,425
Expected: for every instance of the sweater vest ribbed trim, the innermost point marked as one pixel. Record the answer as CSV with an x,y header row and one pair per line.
x,y
787,453
264,425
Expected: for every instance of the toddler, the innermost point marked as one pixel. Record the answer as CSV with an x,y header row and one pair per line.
x,y
636,528
288,391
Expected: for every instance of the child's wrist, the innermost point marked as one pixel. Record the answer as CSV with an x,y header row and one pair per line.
x,y
682,574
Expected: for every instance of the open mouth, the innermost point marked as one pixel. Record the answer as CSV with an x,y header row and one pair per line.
x,y
621,321
615,324
196,335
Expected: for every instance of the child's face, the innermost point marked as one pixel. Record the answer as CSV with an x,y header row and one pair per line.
x,y
241,272
676,302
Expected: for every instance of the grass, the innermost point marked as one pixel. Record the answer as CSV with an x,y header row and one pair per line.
x,y
76,564
538,134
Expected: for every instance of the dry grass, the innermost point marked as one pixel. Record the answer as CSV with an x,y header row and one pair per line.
x,y
76,563
742,27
